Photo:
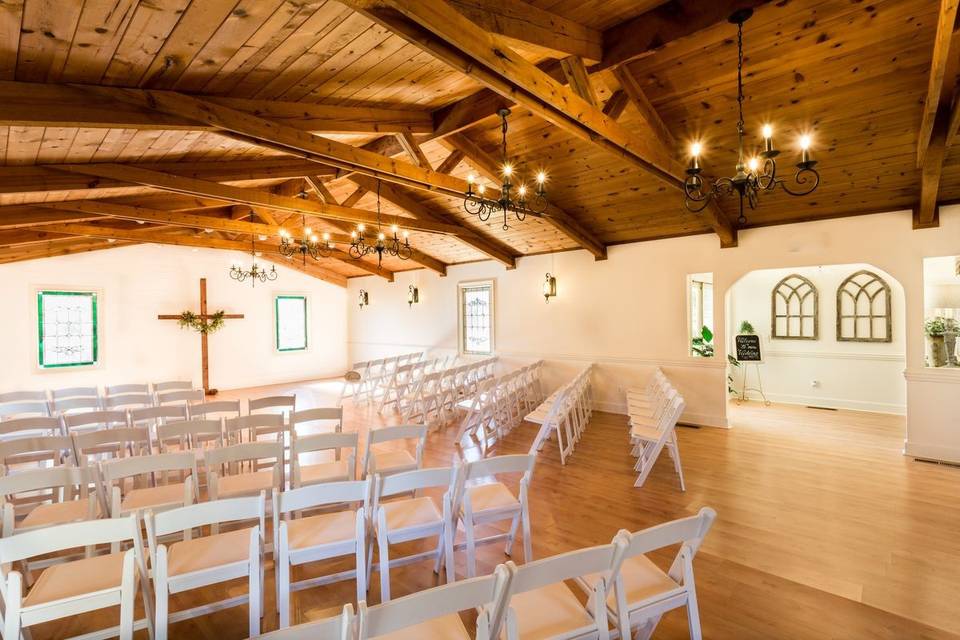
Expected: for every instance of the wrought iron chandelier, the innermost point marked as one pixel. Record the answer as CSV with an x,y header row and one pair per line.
x,y
359,245
255,272
476,203
307,245
756,174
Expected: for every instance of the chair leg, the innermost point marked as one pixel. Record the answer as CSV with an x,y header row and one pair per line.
x,y
512,536
675,454
361,572
161,592
128,588
448,534
383,547
527,537
369,563
438,556
254,598
283,587
11,623
471,548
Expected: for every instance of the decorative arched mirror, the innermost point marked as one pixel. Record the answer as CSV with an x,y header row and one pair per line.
x,y
794,309
863,309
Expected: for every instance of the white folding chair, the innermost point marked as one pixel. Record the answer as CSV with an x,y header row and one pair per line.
x,y
435,613
272,425
643,591
152,417
222,482
92,446
541,605
212,559
35,426
70,398
124,389
649,441
92,420
394,460
338,469
413,518
480,504
23,404
35,451
189,435
340,627
180,397
170,385
284,405
318,537
73,406
133,485
318,420
67,589
59,495
23,396
128,401
215,409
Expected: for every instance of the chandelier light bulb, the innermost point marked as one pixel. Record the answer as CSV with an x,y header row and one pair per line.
x,y
507,170
361,227
767,131
804,142
394,229
381,236
406,234
307,230
353,234
471,178
522,190
326,237
695,149
313,238
481,188
261,238
753,164
541,177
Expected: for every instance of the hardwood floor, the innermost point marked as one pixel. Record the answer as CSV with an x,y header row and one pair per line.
x,y
824,530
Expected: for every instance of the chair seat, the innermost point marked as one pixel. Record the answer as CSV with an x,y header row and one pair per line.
x,y
413,512
74,578
494,496
325,472
393,461
650,434
45,515
642,579
448,627
167,494
242,484
326,528
548,611
209,551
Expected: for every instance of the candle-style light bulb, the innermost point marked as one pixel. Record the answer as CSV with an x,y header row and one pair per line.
x,y
313,239
695,150
753,164
522,190
361,227
767,131
481,188
307,230
394,229
804,149
471,178
507,170
541,177
406,234
326,236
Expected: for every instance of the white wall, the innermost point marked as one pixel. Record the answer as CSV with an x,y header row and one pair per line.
x,y
135,284
850,375
628,313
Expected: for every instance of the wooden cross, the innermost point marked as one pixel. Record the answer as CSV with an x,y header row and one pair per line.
x,y
203,315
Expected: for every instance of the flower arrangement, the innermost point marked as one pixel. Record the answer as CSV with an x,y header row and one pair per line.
x,y
190,320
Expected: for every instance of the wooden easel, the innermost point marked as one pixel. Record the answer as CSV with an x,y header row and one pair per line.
x,y
759,388
204,354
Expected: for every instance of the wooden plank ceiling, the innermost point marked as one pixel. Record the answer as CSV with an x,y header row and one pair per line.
x,y
213,121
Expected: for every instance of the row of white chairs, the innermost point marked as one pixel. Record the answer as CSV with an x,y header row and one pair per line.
x,y
625,596
654,412
67,400
433,399
397,385
385,510
498,406
565,413
364,382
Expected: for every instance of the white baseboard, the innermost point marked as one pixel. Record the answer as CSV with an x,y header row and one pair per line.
x,y
932,452
833,403
694,419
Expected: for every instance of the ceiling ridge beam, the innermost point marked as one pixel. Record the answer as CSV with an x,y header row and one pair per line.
x,y
937,90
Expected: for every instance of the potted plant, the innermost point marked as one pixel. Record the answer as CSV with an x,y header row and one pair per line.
x,y
746,329
702,345
935,329
950,340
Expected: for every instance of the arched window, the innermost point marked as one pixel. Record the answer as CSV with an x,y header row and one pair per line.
x,y
863,309
794,309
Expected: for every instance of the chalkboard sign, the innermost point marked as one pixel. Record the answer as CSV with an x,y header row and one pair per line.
x,y
748,348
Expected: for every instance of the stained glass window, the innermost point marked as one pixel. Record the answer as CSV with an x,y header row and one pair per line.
x,y
291,321
476,318
66,328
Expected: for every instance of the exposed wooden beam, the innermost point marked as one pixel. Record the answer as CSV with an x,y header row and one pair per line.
x,y
49,105
354,197
560,219
59,248
272,135
451,161
40,178
23,217
937,93
666,23
630,86
418,256
519,20
616,103
152,236
484,244
440,30
412,149
577,78
239,195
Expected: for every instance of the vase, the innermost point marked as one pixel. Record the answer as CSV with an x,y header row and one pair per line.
x,y
950,344
936,351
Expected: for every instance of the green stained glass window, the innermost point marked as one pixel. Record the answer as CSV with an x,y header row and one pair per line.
x,y
67,333
290,318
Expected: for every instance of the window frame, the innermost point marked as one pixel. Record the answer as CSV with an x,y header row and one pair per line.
x,y
794,293
690,280
462,287
276,322
94,295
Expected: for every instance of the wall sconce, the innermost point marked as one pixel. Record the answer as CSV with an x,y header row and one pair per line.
x,y
549,287
413,295
364,298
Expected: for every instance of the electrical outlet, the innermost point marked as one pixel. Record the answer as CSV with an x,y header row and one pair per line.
x,y
815,384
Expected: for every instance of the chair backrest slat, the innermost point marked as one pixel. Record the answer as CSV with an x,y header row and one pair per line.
x,y
207,513
68,536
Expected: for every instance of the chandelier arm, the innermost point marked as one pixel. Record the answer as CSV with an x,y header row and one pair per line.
x,y
768,179
802,177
